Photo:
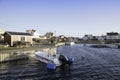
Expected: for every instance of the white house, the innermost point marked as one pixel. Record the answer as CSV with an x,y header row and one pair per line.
x,y
34,33
1,34
100,38
119,36
112,36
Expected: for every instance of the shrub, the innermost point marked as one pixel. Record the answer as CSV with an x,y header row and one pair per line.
x,y
20,43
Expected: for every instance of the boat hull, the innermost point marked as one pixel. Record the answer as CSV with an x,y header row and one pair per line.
x,y
47,58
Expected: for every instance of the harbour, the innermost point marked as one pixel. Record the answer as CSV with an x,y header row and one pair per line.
x,y
60,40
90,64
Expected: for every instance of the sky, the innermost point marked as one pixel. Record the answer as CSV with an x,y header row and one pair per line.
x,y
63,17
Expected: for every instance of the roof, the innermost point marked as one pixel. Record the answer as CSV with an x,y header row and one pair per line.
x,y
112,33
18,33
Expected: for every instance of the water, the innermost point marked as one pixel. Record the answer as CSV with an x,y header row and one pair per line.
x,y
90,64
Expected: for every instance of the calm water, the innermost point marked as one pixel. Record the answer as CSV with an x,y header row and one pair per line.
x,y
90,64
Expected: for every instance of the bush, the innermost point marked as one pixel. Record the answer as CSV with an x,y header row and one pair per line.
x,y
19,43
36,40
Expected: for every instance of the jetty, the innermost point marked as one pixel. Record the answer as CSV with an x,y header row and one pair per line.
x,y
4,57
23,53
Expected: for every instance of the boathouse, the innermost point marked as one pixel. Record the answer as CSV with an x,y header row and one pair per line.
x,y
11,37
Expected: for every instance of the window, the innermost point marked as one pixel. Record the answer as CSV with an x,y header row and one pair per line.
x,y
22,39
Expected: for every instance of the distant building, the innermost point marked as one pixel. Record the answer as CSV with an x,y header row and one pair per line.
x,y
43,37
63,38
34,33
112,36
112,33
94,38
1,34
49,35
87,37
101,38
1,31
11,37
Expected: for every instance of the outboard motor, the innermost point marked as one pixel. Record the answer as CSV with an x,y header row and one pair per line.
x,y
70,60
63,59
118,46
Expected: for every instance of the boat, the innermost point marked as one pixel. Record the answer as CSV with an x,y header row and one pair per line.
x,y
70,43
53,60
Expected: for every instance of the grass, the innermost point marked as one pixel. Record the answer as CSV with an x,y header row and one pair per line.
x,y
35,47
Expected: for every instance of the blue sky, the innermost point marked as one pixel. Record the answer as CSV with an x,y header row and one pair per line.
x,y
67,17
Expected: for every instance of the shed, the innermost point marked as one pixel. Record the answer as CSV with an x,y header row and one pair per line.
x,y
11,37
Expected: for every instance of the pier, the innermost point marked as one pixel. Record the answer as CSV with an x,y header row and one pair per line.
x,y
9,55
4,57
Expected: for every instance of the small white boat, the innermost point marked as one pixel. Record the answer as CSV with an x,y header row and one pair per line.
x,y
70,43
53,61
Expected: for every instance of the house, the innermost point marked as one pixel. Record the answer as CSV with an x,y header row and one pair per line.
x,y
87,37
101,38
11,37
34,33
49,35
63,38
112,36
1,34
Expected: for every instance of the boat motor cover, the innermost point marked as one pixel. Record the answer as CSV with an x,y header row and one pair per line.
x,y
51,66
70,59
